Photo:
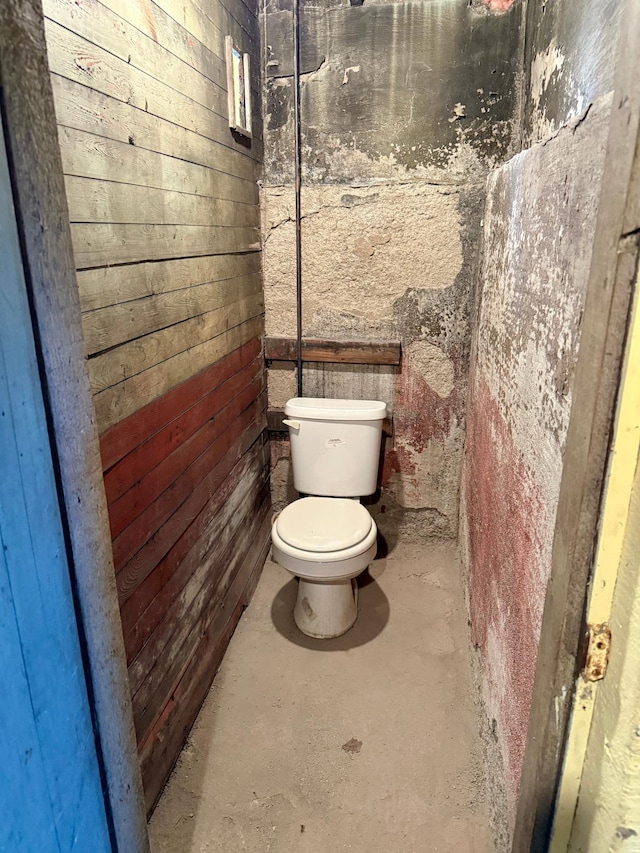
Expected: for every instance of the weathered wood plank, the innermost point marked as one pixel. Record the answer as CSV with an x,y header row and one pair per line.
x,y
134,357
98,201
78,59
134,501
108,286
210,23
150,452
344,352
101,245
93,21
205,571
173,660
116,324
156,24
89,156
145,606
176,638
141,546
162,413
80,108
160,749
206,560
121,400
151,621
150,19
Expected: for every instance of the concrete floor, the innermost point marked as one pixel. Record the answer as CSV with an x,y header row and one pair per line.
x,y
365,743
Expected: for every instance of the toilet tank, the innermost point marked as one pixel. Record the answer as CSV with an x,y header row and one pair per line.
x,y
335,445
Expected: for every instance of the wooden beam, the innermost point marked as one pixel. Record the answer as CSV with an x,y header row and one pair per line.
x,y
612,272
340,352
107,245
30,128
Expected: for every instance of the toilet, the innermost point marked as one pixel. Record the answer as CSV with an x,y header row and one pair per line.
x,y
327,538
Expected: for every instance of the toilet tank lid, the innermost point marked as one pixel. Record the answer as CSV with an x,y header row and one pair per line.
x,y
320,409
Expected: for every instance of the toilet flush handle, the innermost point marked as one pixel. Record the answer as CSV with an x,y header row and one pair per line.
x,y
292,424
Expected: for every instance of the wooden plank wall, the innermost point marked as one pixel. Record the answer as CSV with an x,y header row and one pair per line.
x,y
163,204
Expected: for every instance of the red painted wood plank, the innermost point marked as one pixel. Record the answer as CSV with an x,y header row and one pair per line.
x,y
170,577
168,738
169,668
132,467
133,608
163,652
162,745
144,558
142,528
134,501
121,438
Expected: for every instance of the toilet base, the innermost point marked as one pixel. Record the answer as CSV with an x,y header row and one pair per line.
x,y
324,610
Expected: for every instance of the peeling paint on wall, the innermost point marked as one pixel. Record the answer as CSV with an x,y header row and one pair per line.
x,y
571,58
415,63
540,218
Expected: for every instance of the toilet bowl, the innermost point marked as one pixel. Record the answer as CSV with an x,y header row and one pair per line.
x,y
328,538
326,543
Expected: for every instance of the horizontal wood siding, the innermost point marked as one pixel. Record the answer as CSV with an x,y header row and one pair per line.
x,y
163,205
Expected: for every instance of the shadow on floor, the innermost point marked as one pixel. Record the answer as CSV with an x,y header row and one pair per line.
x,y
373,615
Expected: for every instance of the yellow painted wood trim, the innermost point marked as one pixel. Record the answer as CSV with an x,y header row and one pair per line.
x,y
613,524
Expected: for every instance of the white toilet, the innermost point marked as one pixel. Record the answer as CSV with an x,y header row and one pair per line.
x,y
328,539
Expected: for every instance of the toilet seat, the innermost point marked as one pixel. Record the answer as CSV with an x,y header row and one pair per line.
x,y
325,566
324,525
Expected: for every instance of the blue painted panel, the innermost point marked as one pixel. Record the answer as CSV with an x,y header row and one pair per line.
x,y
50,789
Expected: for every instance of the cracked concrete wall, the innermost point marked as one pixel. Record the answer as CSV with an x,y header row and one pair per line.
x,y
539,223
406,106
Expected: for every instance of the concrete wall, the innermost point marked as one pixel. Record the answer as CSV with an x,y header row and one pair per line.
x,y
539,222
405,108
